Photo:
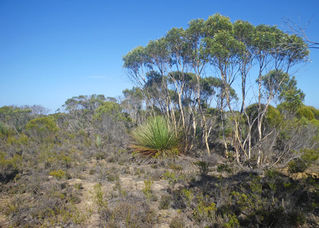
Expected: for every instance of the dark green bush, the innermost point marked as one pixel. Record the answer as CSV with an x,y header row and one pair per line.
x,y
165,202
224,168
9,166
308,157
203,167
296,166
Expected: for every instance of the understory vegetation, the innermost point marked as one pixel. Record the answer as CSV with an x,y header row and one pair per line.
x,y
181,148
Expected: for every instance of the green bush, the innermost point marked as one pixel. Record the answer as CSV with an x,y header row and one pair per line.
x,y
165,202
308,156
43,128
273,116
223,168
314,111
9,166
155,138
112,109
315,122
59,174
203,167
5,130
305,112
296,166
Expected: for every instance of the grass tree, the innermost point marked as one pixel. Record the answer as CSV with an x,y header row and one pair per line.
x,y
155,138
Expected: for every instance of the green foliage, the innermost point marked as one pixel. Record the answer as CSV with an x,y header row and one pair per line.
x,y
155,138
272,173
59,174
188,194
204,210
171,177
165,202
314,111
296,166
86,103
19,140
100,197
5,130
98,141
9,166
171,72
42,128
232,221
274,117
290,96
108,108
203,167
147,190
14,161
275,82
224,168
308,156
15,117
56,159
305,112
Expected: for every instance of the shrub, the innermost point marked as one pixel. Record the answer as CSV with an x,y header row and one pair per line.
x,y
308,156
203,167
223,168
9,167
112,109
59,174
129,212
43,128
147,190
155,138
5,130
165,202
305,112
15,117
177,222
314,111
273,117
296,166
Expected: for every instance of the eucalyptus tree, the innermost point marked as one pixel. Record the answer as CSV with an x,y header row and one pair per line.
x,y
15,117
83,102
133,103
136,65
162,57
81,109
276,50
181,59
224,51
243,32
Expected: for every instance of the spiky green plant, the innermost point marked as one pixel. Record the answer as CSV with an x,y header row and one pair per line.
x,y
155,138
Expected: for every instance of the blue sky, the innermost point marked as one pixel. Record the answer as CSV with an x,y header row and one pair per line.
x,y
52,50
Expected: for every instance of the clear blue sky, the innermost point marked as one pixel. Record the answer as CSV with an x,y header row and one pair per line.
x,y
52,50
